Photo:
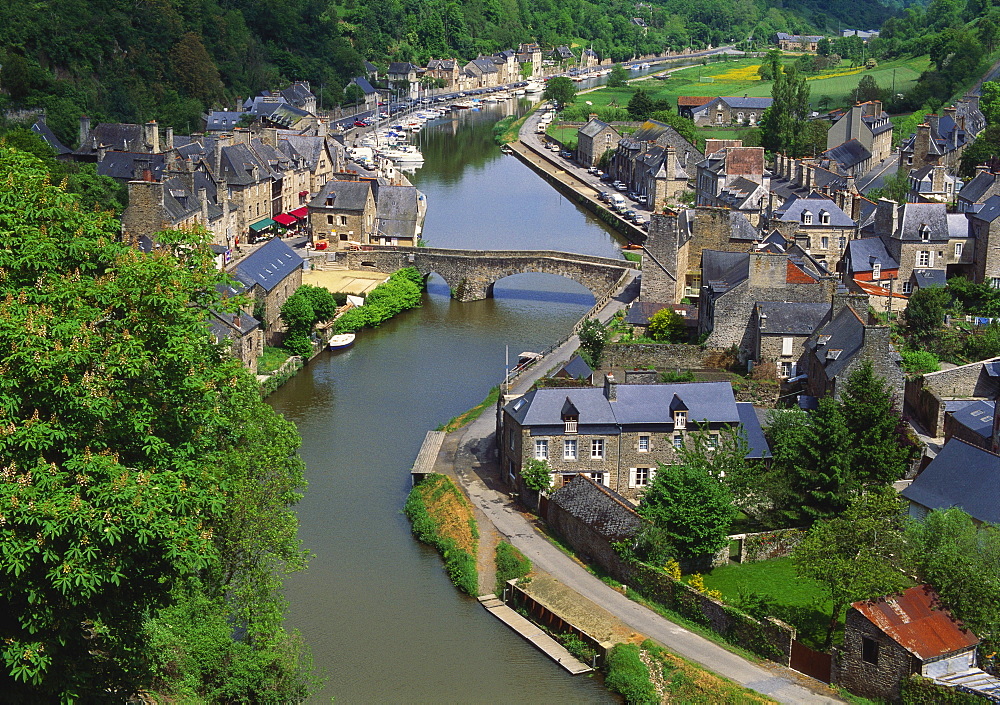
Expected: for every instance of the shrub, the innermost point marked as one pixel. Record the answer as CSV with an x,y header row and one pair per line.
x,y
920,362
667,326
511,564
402,291
324,304
458,562
678,376
298,343
537,475
628,675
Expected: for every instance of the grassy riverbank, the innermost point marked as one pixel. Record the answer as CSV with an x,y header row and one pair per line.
x,y
442,518
467,417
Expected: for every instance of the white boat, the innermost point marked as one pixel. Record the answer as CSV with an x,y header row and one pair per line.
x,y
461,105
533,87
342,341
403,153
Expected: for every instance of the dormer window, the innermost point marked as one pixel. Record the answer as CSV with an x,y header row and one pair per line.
x,y
807,218
680,419
824,217
876,271
925,233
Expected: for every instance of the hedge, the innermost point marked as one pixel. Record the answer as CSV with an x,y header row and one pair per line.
x,y
403,290
628,676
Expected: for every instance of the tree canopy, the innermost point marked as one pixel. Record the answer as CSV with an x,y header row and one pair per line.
x,y
137,455
560,90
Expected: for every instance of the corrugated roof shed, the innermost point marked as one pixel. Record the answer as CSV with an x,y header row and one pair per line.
x,y
917,621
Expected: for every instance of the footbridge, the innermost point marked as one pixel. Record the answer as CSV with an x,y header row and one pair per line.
x,y
471,274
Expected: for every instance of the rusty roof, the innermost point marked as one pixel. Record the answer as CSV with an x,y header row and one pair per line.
x,y
692,101
745,160
917,621
794,274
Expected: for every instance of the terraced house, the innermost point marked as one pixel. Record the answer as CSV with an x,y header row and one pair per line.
x,y
618,435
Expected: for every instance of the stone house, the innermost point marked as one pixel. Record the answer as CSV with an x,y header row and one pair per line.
x,y
779,331
843,343
938,140
796,42
803,178
403,77
687,103
733,177
983,185
371,95
447,70
482,72
930,396
530,53
870,126
399,215
243,334
576,369
562,53
270,275
962,475
816,225
589,59
641,172
933,183
343,213
619,434
117,137
983,239
734,282
889,638
594,140
591,518
298,95
972,423
868,268
730,110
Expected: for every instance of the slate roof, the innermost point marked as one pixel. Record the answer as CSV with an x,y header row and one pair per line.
x,y
977,417
849,154
978,187
593,127
298,94
228,325
577,368
639,312
121,137
268,266
347,195
784,318
858,254
990,210
791,211
121,166
41,129
752,431
362,83
401,67
397,211
736,103
600,508
224,120
929,277
917,621
844,336
916,215
740,228
724,270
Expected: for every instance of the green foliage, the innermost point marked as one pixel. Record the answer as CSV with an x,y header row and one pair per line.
x,y
920,362
628,676
137,455
560,90
297,313
324,304
855,555
459,563
783,124
652,544
989,102
537,475
694,508
677,376
402,291
580,649
593,337
962,561
298,343
917,690
926,308
667,326
511,564
617,77
894,187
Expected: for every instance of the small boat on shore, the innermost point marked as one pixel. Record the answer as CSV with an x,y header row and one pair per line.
x,y
342,341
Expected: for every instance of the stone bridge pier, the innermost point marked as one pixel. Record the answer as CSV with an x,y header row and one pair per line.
x,y
471,274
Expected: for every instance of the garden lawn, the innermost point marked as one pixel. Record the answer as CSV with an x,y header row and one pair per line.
x,y
567,135
799,601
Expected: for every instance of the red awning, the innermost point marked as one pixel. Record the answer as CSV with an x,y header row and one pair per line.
x,y
303,193
300,212
285,219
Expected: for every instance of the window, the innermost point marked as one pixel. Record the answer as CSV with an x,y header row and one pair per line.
x,y
640,477
597,449
713,441
876,272
824,243
908,287
925,233
541,450
786,346
680,419
510,470
958,250
343,220
995,282
599,477
924,258
643,444
329,220
569,450
678,440
869,650
807,218
786,369
824,217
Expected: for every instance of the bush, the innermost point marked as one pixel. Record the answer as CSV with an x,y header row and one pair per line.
x,y
458,562
511,564
402,291
324,304
628,675
918,362
667,326
298,343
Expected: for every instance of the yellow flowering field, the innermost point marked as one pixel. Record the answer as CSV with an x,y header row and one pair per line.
x,y
849,72
741,73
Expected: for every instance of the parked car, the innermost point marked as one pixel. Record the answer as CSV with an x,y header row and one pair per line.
x,y
565,155
605,196
629,214
360,123
638,219
621,187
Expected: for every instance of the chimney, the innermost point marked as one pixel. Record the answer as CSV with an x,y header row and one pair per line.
x,y
221,142
843,299
610,387
152,136
203,204
810,177
854,123
670,162
142,170
951,111
886,218
84,129
237,321
169,142
102,152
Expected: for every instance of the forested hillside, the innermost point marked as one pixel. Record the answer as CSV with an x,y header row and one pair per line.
x,y
170,59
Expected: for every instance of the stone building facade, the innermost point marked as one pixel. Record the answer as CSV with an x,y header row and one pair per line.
x,y
270,275
927,396
594,140
343,213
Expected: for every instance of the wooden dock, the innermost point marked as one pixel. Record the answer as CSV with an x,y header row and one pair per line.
x,y
427,456
542,641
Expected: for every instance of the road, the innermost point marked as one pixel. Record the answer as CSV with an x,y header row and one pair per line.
x,y
476,468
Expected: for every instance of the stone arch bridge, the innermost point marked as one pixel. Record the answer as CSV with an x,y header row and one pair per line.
x,y
471,274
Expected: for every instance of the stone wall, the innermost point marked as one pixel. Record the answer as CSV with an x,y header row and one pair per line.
x,y
879,680
925,395
662,271
765,545
658,355
590,545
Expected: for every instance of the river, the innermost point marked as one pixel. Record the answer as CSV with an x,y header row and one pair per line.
x,y
381,618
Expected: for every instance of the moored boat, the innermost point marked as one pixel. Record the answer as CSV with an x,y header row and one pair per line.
x,y
342,341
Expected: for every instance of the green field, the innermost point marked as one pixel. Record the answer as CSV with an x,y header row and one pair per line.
x,y
828,90
799,601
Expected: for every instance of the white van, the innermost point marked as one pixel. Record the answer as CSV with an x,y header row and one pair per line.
x,y
617,199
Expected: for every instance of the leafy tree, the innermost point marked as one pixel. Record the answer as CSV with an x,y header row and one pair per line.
x,y
868,89
297,313
962,562
323,303
685,126
984,343
593,336
537,475
895,187
985,150
782,124
880,447
920,362
667,326
125,437
560,90
640,105
855,555
693,508
195,69
353,95
617,77
926,308
989,102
